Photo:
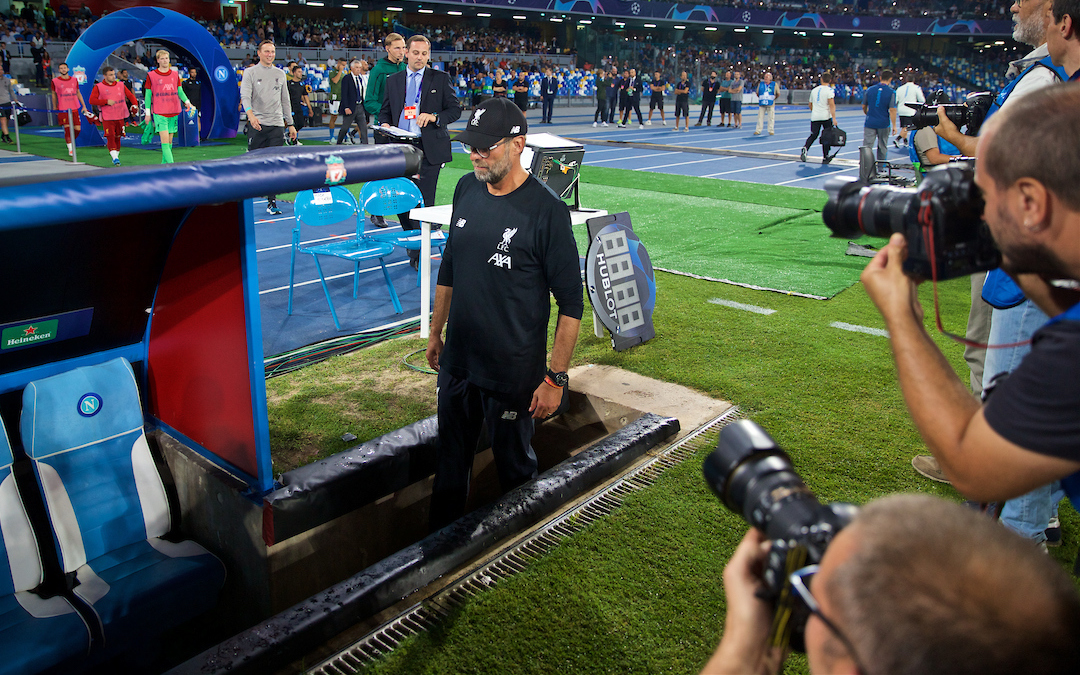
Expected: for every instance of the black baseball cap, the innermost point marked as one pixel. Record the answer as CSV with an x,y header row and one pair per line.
x,y
492,121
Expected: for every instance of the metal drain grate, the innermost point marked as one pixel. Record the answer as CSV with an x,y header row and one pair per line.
x,y
425,615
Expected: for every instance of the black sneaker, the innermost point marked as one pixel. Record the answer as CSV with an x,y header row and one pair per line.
x,y
1053,533
802,155
378,221
826,159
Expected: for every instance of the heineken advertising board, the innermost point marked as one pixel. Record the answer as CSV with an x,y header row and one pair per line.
x,y
620,280
30,333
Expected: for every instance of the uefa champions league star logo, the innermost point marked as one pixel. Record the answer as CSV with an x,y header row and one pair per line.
x,y
635,9
896,24
746,17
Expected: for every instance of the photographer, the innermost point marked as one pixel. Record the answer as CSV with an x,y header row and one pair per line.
x,y
1028,433
913,585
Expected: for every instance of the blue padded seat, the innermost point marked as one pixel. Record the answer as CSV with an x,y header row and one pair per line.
x,y
83,429
35,633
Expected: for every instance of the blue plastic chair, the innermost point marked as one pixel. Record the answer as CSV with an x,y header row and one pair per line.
x,y
336,205
389,198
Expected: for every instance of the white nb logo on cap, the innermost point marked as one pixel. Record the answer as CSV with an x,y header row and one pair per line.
x,y
515,129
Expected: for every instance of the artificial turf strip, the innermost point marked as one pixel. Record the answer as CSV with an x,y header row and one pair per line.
x,y
742,233
55,148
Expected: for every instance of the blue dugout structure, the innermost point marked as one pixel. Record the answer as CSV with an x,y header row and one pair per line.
x,y
158,265
220,113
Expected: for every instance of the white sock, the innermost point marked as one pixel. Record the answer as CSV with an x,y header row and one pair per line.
x,y
69,147
115,154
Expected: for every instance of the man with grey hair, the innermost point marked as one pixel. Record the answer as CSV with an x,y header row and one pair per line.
x,y
914,584
352,103
511,249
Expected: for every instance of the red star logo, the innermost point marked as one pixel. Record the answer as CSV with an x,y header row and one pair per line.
x,y
30,330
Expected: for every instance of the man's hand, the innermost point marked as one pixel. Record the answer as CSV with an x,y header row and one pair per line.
x,y
424,119
292,132
434,350
545,400
744,647
348,111
945,127
893,292
253,121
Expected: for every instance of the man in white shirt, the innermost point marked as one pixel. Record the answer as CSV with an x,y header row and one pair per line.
x,y
908,92
822,116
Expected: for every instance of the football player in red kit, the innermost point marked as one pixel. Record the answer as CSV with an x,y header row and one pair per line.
x,y
116,102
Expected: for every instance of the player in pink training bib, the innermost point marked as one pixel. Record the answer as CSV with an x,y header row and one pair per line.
x,y
69,101
163,97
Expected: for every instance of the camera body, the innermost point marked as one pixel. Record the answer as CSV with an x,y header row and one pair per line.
x,y
754,478
971,113
941,220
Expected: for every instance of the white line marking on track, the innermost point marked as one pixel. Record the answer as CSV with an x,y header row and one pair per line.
x,y
337,276
859,329
820,175
626,159
771,165
738,305
696,161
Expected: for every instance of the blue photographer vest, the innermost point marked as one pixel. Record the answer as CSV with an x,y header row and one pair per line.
x,y
1070,484
943,146
999,290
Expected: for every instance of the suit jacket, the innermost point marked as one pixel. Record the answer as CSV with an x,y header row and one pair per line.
x,y
549,87
436,97
351,98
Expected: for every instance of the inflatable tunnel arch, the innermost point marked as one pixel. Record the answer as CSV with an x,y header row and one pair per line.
x,y
220,115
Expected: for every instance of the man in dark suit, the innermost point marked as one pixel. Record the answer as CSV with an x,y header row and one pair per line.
x,y
352,102
422,100
549,88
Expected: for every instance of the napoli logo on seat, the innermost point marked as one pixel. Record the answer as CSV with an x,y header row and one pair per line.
x,y
89,404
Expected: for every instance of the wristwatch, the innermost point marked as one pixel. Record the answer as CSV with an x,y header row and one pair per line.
x,y
559,379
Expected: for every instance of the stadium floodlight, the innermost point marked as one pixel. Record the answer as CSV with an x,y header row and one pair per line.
x,y
426,11
394,9
650,25
314,4
453,12
587,22
520,17
827,34
483,14
679,27
556,19
740,30
710,28
856,35
279,2
768,31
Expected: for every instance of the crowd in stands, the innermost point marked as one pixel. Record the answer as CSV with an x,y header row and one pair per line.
x,y
949,9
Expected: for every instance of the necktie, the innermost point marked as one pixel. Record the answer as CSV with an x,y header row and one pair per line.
x,y
356,81
410,97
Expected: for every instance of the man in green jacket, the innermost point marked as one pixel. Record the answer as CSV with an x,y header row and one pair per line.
x,y
392,63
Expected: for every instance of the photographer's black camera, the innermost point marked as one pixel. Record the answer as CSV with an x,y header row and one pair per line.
x,y
754,478
941,220
970,114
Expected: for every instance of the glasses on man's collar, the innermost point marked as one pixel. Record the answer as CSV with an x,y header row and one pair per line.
x,y
800,583
483,152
